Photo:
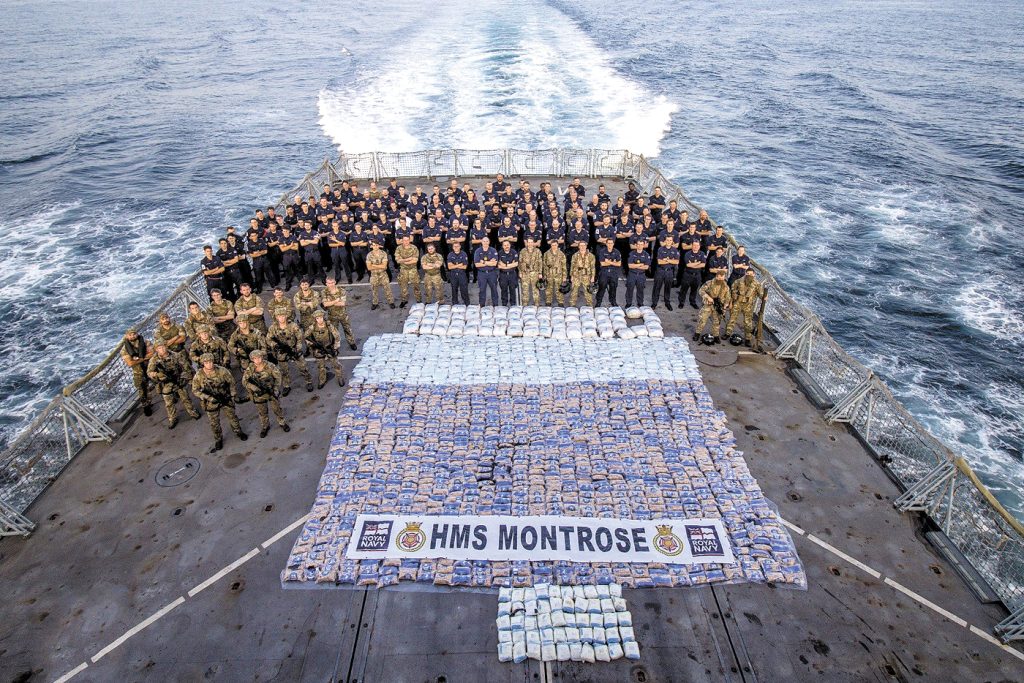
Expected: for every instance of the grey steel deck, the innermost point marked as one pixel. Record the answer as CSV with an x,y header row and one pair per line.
x,y
112,548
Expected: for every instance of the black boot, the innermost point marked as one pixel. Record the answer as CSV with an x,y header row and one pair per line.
x,y
286,391
391,305
352,346
309,387
696,336
668,306
147,410
217,445
374,307
174,423
263,432
401,305
243,436
285,428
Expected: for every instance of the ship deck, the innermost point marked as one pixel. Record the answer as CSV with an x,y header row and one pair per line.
x,y
127,579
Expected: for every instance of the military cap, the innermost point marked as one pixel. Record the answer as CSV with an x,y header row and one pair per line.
x,y
159,342
242,318
214,289
164,316
318,313
130,330
256,353
204,328
206,357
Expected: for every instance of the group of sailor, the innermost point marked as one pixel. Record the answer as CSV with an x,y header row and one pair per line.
x,y
513,242
198,354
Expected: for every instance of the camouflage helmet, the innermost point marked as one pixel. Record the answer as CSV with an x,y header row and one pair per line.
x,y
160,343
130,330
206,357
256,353
318,313
204,328
242,318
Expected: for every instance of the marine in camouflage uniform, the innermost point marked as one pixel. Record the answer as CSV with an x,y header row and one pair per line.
x,y
214,386
322,342
196,318
554,273
279,304
136,353
222,313
581,275
284,342
377,264
245,340
710,292
262,380
745,293
306,301
433,285
334,299
407,257
250,304
172,375
531,268
208,342
170,333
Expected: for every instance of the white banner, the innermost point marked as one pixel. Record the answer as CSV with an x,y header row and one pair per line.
x,y
577,539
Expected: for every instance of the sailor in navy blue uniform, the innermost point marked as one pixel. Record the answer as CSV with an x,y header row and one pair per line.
x,y
432,233
273,239
229,257
692,269
257,246
718,263
291,261
657,203
213,270
486,261
508,232
740,264
508,274
712,243
324,212
309,240
609,267
337,242
665,272
477,233
631,194
555,233
688,237
499,185
638,262
457,263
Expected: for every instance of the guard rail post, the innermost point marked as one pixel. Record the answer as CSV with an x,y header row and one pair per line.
x,y
12,522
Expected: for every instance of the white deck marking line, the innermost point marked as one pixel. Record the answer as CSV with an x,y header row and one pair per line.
x,y
840,554
987,636
71,674
224,572
349,357
138,627
1016,653
793,527
283,532
926,602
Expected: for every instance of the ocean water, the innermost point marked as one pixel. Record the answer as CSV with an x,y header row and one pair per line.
x,y
870,153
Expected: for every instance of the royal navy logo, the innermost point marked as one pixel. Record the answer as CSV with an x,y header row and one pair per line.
x,y
374,536
411,538
666,542
703,540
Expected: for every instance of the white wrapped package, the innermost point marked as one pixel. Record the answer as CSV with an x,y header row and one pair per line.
x,y
411,327
563,652
548,653
576,652
417,308
486,330
457,329
505,652
640,331
614,651
587,653
601,653
633,313
519,652
655,333
533,650
631,650
573,333
626,333
589,333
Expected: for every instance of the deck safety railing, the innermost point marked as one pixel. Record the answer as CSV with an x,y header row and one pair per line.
x,y
936,481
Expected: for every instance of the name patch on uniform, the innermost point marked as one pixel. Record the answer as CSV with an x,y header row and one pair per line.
x,y
580,539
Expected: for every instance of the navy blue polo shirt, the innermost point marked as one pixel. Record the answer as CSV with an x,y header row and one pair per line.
x,y
667,254
459,259
606,254
511,256
741,262
691,258
718,262
639,257
482,254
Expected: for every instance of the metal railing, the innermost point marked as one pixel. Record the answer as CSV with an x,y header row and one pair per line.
x,y
937,482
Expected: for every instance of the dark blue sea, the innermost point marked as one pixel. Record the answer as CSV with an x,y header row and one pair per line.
x,y
870,153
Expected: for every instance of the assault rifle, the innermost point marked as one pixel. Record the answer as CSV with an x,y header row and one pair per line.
x,y
317,346
280,351
264,389
719,306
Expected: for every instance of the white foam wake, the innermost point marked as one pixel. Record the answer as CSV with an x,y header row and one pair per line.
x,y
536,80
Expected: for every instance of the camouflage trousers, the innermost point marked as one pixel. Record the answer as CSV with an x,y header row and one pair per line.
x,y
579,286
379,280
321,370
408,278
706,312
341,318
171,403
530,294
285,365
214,417
264,413
554,293
433,288
748,319
141,382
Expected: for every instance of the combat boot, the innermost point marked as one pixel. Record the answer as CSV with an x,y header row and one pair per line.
x,y
217,445
242,435
263,432
172,424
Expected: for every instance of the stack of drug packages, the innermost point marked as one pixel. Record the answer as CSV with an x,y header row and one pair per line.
x,y
588,427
